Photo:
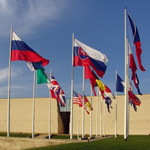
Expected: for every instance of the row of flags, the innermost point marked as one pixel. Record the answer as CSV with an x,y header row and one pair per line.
x,y
21,51
83,56
94,63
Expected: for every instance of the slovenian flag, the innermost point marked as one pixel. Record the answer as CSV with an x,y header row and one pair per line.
x,y
85,55
21,51
136,42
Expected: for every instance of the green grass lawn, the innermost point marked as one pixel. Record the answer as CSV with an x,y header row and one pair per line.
x,y
23,135
133,143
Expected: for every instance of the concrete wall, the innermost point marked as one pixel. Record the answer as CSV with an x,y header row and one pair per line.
x,y
139,121
21,116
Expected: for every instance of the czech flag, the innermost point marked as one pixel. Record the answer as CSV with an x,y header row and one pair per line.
x,y
21,51
85,55
136,42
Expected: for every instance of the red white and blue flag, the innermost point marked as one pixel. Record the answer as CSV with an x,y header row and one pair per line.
x,y
136,42
85,55
133,69
108,92
119,84
57,93
133,99
78,99
21,51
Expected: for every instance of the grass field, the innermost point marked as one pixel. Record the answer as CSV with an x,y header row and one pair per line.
x,y
15,135
133,143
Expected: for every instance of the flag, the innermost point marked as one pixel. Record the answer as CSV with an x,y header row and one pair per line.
x,y
42,76
108,92
136,82
21,51
99,84
96,82
87,103
108,102
85,55
136,42
134,100
78,99
57,92
119,84
89,75
133,69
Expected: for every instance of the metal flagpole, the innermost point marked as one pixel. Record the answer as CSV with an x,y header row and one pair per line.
x,y
116,110
104,118
33,117
50,110
71,107
101,117
78,124
9,84
83,113
91,116
97,113
126,86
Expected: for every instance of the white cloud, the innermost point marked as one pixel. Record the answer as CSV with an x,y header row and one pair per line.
x,y
15,71
26,15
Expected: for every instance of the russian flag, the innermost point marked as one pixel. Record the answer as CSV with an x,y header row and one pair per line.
x,y
85,55
21,51
136,42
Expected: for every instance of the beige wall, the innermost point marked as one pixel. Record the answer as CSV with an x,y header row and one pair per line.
x,y
139,121
21,116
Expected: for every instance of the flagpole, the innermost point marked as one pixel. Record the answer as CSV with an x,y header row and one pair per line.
x,y
126,85
128,88
116,110
71,109
83,114
78,124
97,113
9,84
104,120
50,110
91,116
33,117
101,117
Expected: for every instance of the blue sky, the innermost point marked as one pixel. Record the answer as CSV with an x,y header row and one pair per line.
x,y
47,27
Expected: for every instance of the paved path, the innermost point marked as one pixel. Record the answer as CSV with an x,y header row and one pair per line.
x,y
13,143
